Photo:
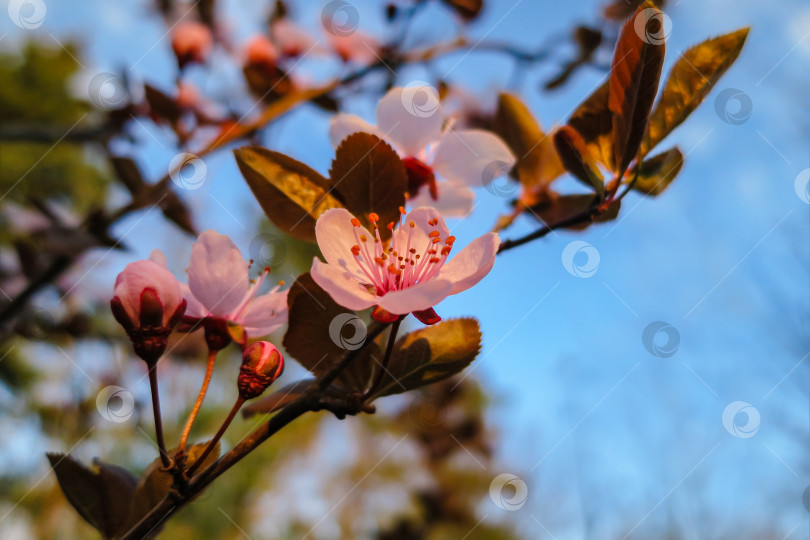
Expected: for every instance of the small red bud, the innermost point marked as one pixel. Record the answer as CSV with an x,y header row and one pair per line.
x,y
262,364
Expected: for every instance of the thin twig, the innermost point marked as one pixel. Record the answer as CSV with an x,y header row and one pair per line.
x,y
309,401
213,442
209,370
392,337
153,385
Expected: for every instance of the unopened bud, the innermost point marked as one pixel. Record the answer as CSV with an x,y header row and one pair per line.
x,y
191,42
148,303
262,364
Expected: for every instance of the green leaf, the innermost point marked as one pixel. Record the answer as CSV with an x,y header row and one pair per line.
x,y
368,176
594,121
634,75
320,332
101,495
430,355
537,162
577,159
689,82
291,194
657,173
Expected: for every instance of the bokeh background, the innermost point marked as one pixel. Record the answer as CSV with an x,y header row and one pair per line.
x,y
696,430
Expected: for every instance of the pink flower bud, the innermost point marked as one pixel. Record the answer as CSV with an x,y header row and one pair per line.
x,y
260,51
147,302
262,364
191,42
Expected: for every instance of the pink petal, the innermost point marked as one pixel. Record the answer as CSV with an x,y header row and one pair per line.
x,y
266,314
342,286
474,157
417,298
217,273
410,117
455,199
193,306
147,274
335,235
471,265
342,125
158,257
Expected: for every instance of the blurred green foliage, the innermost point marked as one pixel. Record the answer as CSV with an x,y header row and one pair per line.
x,y
36,94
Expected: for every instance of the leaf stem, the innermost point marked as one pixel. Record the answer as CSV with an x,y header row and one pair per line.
x,y
209,369
392,337
213,442
153,385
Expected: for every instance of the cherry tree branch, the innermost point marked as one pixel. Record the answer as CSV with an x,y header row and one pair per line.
x,y
311,400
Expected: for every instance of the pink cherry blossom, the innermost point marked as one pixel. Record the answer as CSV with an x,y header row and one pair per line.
x,y
191,42
357,47
259,50
410,119
291,39
410,273
147,302
220,288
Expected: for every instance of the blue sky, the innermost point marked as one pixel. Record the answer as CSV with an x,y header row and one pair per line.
x,y
604,434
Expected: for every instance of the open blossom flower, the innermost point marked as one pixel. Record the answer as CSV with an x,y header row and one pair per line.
x,y
148,302
220,290
191,42
409,274
410,119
